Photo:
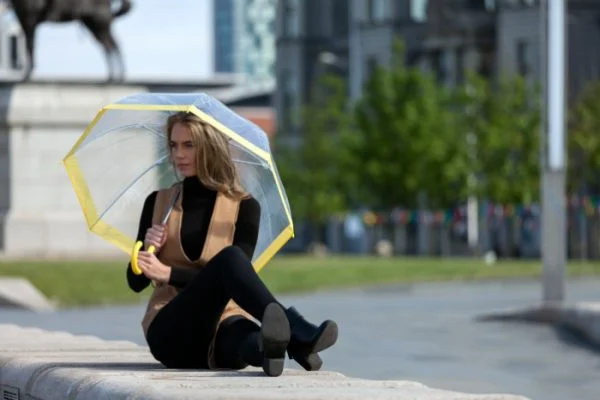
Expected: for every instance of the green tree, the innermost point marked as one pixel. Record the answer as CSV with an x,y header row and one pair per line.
x,y
502,120
407,142
583,141
310,171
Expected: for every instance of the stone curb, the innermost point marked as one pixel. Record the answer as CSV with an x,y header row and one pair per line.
x,y
583,317
16,292
42,365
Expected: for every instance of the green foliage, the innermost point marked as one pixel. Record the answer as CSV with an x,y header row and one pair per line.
x,y
583,140
504,120
407,142
410,135
310,171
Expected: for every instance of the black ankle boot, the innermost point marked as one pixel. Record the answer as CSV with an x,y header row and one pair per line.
x,y
310,361
249,351
274,339
250,354
308,339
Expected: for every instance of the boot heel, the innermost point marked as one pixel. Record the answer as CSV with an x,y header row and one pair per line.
x,y
308,339
310,362
273,366
275,335
327,337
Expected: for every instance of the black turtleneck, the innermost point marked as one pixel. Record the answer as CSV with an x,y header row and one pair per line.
x,y
198,203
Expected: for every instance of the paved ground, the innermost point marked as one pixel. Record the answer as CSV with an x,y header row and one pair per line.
x,y
56,365
424,333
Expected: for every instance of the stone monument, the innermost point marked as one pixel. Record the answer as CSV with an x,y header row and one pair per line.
x,y
96,15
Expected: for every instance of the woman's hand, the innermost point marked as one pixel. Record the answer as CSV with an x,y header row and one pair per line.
x,y
155,236
153,268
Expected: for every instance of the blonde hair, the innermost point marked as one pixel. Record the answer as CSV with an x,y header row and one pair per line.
x,y
214,166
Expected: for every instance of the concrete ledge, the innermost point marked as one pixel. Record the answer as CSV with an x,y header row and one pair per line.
x,y
55,365
20,293
583,317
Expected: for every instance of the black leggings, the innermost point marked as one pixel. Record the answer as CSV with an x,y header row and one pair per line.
x,y
180,334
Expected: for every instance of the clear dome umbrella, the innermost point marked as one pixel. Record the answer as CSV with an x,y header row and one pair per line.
x,y
122,156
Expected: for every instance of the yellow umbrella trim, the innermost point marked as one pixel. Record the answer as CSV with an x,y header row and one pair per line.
x,y
120,239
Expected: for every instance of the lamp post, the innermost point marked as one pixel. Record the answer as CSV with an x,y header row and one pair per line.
x,y
554,246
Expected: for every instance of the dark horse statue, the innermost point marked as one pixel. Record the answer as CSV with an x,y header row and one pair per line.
x,y
96,15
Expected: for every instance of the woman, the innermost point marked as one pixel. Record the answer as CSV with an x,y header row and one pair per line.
x,y
207,294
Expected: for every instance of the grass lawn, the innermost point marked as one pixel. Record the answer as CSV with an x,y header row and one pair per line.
x,y
72,283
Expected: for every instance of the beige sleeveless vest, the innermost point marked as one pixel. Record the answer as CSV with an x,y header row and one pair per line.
x,y
219,235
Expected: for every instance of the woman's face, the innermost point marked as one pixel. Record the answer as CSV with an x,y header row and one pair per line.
x,y
182,150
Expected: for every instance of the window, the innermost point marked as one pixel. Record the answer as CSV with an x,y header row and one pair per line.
x,y
15,62
376,10
250,68
440,64
523,58
517,3
272,26
290,94
418,10
379,9
339,25
476,5
460,66
486,62
291,18
371,66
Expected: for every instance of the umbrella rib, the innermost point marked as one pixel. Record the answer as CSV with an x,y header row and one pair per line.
x,y
129,187
241,147
121,127
260,161
249,163
157,133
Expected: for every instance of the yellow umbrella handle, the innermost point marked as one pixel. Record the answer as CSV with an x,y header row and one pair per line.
x,y
134,256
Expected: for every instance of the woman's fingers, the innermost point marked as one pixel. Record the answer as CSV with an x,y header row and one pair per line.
x,y
145,257
157,230
155,236
143,262
142,265
153,241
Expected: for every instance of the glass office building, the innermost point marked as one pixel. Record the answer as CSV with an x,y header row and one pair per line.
x,y
244,34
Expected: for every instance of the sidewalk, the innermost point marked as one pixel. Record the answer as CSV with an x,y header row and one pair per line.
x,y
56,365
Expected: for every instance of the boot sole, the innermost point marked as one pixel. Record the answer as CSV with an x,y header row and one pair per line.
x,y
307,355
310,362
327,338
275,335
324,340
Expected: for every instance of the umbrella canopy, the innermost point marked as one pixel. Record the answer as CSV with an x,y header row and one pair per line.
x,y
122,157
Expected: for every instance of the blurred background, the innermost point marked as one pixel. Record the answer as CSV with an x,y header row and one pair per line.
x,y
438,152
399,127
408,135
